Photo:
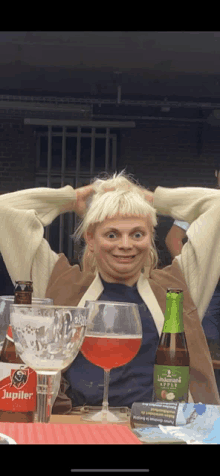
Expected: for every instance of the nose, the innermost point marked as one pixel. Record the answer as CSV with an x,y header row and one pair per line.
x,y
125,242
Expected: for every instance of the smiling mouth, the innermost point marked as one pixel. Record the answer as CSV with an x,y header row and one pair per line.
x,y
124,257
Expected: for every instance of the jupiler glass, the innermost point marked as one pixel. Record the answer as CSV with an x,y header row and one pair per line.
x,y
5,302
48,339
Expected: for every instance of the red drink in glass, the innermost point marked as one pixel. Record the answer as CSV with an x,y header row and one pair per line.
x,y
112,351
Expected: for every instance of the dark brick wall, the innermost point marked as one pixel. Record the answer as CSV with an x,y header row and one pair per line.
x,y
17,154
165,153
170,154
18,147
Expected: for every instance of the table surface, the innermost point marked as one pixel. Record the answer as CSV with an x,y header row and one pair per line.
x,y
70,430
77,420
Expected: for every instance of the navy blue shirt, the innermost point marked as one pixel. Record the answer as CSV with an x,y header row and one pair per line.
x,y
211,326
129,383
211,320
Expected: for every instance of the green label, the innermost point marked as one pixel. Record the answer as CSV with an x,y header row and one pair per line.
x,y
171,383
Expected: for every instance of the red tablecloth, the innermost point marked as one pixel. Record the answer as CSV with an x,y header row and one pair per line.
x,y
64,434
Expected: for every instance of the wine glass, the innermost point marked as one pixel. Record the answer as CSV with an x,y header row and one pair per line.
x,y
113,338
48,339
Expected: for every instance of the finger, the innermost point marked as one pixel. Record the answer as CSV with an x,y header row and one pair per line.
x,y
109,189
149,197
88,189
84,192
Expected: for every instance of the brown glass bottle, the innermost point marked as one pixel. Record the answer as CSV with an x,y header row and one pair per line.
x,y
23,295
171,369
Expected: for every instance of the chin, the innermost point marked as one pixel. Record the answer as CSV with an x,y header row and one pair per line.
x,y
125,273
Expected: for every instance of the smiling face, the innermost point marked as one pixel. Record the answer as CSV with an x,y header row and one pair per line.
x,y
121,246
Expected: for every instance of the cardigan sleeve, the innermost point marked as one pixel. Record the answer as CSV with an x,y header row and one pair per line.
x,y
23,216
200,256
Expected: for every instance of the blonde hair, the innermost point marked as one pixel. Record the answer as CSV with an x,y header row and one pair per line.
x,y
126,199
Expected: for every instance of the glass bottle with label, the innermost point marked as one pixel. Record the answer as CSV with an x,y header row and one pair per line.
x,y
171,369
22,295
18,385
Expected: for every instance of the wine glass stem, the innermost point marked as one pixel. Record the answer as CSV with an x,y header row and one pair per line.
x,y
45,384
106,386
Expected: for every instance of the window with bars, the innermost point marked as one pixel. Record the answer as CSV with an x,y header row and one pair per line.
x,y
72,156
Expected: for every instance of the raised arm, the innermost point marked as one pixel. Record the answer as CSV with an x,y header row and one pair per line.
x,y
23,216
175,237
199,258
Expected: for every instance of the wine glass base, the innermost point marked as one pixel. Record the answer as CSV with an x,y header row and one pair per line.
x,y
105,417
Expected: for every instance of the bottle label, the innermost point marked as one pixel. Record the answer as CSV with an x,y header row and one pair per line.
x,y
22,297
9,334
171,383
17,388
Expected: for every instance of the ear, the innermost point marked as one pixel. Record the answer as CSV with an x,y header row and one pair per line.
x,y
89,239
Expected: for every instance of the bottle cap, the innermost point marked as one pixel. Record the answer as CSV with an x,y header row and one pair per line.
x,y
25,286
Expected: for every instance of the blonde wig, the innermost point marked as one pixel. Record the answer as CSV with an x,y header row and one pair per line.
x,y
126,199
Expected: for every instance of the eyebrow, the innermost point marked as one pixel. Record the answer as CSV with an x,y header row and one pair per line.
x,y
133,229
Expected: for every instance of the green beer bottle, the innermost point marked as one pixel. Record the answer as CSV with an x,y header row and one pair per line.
x,y
171,369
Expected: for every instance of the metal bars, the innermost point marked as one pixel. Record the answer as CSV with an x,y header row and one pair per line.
x,y
49,160
9,100
107,150
75,177
92,162
63,166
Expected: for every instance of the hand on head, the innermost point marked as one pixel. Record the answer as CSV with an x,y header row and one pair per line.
x,y
83,194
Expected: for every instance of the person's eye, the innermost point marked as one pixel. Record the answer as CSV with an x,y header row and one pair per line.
x,y
111,234
138,234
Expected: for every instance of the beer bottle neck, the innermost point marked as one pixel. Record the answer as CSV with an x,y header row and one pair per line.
x,y
22,298
173,322
23,292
